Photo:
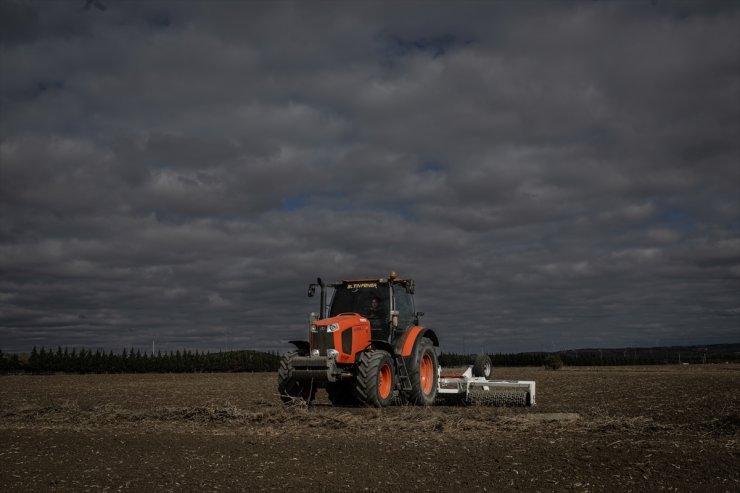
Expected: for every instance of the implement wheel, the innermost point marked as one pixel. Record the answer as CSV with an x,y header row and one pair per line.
x,y
290,389
423,374
375,378
482,366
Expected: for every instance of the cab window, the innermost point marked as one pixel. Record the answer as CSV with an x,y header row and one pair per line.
x,y
405,307
348,299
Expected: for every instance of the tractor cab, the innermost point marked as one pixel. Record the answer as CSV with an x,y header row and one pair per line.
x,y
388,304
370,299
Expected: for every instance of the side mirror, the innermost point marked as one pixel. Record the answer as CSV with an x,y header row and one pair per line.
x,y
311,290
411,287
394,318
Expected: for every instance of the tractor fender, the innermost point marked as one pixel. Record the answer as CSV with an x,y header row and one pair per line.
x,y
406,344
301,345
384,345
376,344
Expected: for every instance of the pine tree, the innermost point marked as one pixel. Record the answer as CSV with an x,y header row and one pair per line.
x,y
33,360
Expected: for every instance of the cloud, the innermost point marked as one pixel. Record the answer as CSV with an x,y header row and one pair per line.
x,y
552,176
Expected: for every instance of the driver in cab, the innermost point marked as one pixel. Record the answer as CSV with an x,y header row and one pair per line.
x,y
376,315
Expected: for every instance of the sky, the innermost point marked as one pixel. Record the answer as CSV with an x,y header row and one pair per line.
x,y
552,175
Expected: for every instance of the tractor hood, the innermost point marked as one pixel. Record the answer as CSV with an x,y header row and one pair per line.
x,y
340,337
343,320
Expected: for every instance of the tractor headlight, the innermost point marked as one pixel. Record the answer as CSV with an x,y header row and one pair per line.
x,y
332,353
332,328
313,328
314,352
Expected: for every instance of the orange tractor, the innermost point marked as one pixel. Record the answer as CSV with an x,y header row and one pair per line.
x,y
366,348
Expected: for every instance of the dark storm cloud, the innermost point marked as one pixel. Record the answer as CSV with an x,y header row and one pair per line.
x,y
551,175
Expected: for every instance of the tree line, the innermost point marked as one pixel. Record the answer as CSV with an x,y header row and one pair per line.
x,y
134,361
47,360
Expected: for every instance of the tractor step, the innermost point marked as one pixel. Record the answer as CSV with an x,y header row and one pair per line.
x,y
403,374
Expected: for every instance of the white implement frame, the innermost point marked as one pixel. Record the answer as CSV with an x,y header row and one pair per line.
x,y
466,382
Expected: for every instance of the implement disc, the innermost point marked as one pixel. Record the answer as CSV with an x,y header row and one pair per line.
x,y
501,398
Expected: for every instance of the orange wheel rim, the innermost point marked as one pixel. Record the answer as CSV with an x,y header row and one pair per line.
x,y
385,378
426,372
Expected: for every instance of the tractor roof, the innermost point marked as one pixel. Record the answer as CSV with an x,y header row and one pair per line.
x,y
368,282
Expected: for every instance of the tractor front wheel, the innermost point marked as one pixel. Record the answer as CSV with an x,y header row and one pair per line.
x,y
291,389
375,378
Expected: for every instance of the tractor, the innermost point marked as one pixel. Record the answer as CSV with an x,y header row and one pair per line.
x,y
367,348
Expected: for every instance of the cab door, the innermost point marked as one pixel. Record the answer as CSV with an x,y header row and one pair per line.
x,y
404,305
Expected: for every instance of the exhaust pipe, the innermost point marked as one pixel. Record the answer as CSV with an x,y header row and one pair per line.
x,y
322,298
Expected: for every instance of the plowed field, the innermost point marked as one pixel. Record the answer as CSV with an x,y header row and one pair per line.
x,y
593,429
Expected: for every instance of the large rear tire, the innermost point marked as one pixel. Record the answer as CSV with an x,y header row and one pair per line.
x,y
423,374
292,390
375,379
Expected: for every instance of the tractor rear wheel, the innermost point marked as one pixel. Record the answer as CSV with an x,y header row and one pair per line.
x,y
423,374
375,379
290,388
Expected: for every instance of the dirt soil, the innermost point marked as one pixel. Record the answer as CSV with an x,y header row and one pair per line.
x,y
593,429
